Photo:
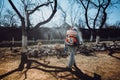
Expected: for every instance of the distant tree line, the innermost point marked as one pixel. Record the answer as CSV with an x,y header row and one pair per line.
x,y
106,34
45,33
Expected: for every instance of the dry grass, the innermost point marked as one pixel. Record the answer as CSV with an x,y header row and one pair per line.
x,y
107,67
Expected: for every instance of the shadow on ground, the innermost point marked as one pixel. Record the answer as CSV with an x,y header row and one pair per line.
x,y
53,70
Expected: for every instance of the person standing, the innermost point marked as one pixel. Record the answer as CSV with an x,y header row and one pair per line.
x,y
71,42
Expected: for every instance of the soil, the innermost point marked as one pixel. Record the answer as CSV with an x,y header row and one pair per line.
x,y
99,67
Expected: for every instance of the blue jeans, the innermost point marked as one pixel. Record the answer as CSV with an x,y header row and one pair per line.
x,y
71,60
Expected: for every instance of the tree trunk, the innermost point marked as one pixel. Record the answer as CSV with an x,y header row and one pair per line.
x,y
97,39
98,36
91,36
24,35
80,37
24,41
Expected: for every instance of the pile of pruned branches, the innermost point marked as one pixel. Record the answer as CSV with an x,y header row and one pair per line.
x,y
59,51
46,50
88,48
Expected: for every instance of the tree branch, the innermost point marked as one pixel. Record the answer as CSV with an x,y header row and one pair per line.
x,y
94,23
13,6
104,14
37,7
51,16
86,16
83,4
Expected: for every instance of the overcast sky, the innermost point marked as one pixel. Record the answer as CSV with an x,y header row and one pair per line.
x,y
113,16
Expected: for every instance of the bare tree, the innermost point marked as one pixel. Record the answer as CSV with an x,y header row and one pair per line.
x,y
25,21
64,12
54,9
1,9
97,20
22,24
1,5
118,24
9,18
74,12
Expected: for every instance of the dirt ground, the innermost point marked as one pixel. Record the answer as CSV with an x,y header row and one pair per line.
x,y
99,67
